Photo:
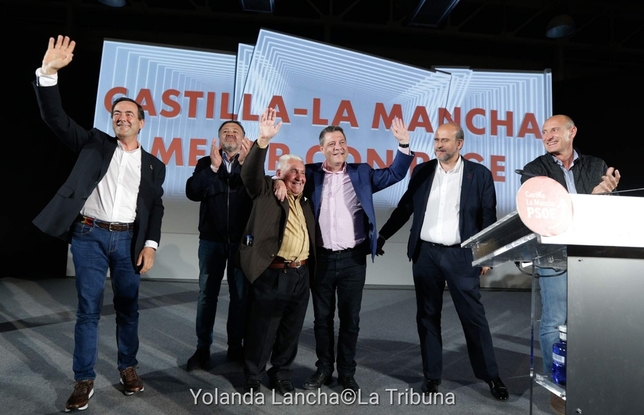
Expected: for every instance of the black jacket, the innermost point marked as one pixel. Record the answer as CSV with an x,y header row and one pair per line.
x,y
95,150
225,204
587,170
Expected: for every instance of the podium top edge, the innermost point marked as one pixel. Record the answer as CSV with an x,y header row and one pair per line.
x,y
510,218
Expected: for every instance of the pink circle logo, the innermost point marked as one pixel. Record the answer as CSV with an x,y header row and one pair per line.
x,y
544,206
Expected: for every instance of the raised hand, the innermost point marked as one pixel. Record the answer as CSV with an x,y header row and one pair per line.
x,y
215,154
399,130
267,127
246,144
59,54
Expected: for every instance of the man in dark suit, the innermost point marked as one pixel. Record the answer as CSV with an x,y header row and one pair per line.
x,y
451,199
110,209
342,198
277,256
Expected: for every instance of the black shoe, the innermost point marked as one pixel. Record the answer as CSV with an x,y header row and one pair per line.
x,y
282,386
235,354
430,386
498,389
199,360
252,386
316,380
348,382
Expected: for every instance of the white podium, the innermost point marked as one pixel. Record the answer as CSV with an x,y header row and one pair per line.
x,y
603,251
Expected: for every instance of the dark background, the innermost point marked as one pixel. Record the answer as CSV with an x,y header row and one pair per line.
x,y
596,73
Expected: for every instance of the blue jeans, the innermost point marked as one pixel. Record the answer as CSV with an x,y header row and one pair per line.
x,y
344,272
554,308
213,257
95,251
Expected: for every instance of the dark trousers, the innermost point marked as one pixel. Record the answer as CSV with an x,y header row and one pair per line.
x,y
277,306
342,273
435,266
214,258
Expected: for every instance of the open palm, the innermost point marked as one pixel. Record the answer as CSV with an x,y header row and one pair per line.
x,y
59,54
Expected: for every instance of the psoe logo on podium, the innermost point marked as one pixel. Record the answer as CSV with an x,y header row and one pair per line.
x,y
544,206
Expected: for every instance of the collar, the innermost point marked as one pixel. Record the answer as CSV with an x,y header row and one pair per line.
x,y
224,156
456,169
326,169
120,145
575,157
294,197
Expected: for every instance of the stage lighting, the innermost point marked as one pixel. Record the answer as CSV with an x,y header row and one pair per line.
x,y
265,6
559,26
114,3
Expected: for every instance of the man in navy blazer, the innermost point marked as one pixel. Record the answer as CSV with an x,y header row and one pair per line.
x,y
110,209
341,194
452,199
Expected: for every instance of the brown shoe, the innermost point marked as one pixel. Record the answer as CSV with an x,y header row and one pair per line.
x,y
79,399
131,382
557,404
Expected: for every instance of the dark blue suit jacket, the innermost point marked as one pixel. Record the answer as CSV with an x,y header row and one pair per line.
x,y
95,150
366,181
478,203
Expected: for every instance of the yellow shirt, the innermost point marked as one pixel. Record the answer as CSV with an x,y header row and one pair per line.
x,y
295,244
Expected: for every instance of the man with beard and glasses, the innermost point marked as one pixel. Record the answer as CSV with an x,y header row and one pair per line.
x,y
223,211
451,199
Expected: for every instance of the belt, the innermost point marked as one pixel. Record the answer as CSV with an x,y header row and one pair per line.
x,y
362,248
441,245
110,226
281,263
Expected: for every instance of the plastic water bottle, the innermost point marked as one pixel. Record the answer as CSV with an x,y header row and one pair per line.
x,y
559,357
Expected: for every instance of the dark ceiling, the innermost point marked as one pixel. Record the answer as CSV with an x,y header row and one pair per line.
x,y
482,34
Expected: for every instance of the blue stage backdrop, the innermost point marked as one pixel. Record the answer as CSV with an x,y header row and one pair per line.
x,y
188,93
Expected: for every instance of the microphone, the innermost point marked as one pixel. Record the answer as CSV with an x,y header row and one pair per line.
x,y
525,173
616,192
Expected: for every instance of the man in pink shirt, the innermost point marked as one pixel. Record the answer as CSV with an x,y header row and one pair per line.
x,y
342,200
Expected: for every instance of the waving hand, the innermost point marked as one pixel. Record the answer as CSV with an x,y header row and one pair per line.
x,y
59,54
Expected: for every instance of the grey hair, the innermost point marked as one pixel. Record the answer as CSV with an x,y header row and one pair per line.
x,y
285,161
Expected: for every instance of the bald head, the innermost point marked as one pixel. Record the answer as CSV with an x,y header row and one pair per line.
x,y
448,142
558,134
